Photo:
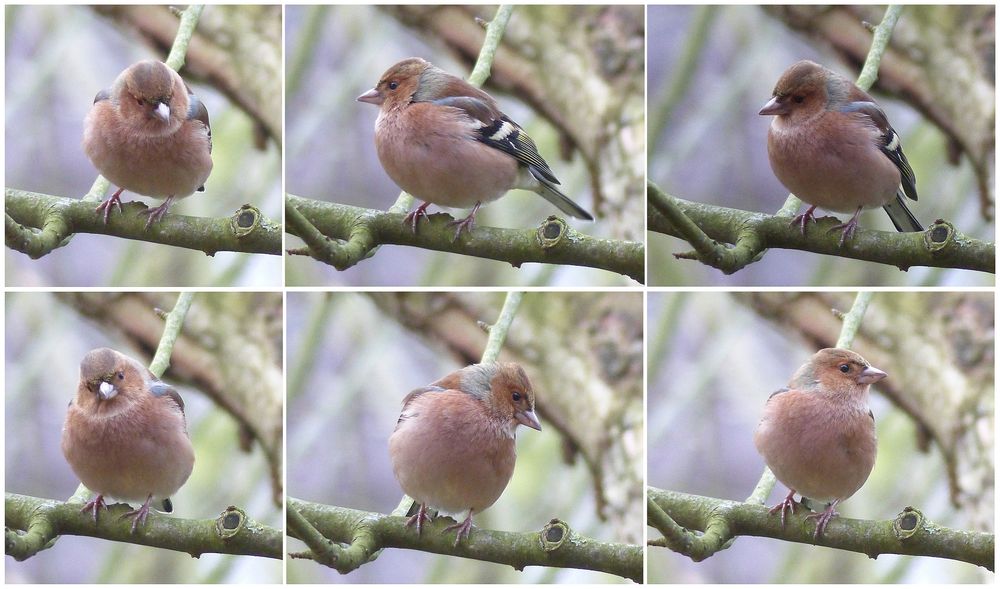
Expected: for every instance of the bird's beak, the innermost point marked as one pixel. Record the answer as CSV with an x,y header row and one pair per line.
x,y
162,112
871,375
371,97
529,419
107,390
773,107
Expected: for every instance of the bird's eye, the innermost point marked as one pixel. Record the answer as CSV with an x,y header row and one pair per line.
x,y
516,396
799,99
845,368
121,375
393,85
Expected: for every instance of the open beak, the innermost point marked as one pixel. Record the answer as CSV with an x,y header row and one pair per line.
x,y
529,419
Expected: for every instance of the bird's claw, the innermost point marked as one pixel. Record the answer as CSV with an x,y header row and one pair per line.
x,y
94,505
463,529
107,205
419,518
138,516
788,504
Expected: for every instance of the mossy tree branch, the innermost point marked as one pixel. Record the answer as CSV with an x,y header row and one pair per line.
x,y
36,224
909,533
359,231
731,239
555,545
33,524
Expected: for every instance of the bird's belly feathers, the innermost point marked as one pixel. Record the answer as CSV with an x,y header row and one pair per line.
x,y
846,176
151,166
822,463
455,466
424,162
129,458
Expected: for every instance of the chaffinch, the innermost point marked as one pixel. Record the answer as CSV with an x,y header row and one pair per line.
x,y
832,146
125,435
446,142
149,134
453,446
818,435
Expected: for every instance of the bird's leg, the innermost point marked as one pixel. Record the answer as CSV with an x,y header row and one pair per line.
x,y
419,518
106,206
787,505
157,213
824,518
414,216
94,505
848,227
463,528
138,516
804,218
466,224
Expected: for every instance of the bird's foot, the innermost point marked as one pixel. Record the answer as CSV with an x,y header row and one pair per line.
x,y
848,227
419,518
413,216
157,213
823,518
788,504
107,205
138,516
803,219
467,224
463,528
94,505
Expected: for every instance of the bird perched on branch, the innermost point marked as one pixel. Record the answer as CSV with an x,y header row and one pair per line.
x,y
817,435
446,142
453,446
125,435
149,134
832,146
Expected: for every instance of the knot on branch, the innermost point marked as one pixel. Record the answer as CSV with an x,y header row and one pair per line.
x,y
554,534
230,522
551,232
908,523
939,235
245,220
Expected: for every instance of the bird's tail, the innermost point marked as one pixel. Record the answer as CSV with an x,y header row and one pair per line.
x,y
901,216
562,202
